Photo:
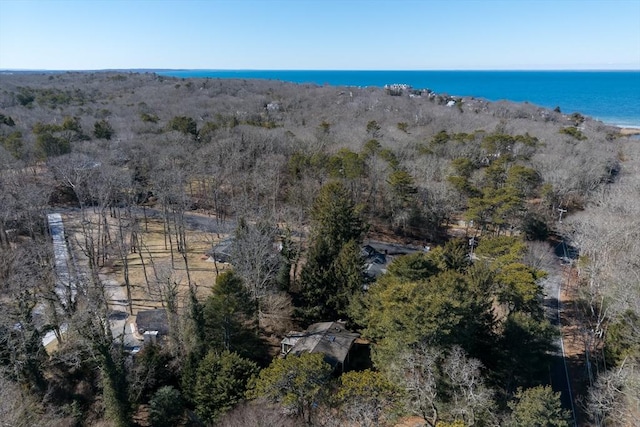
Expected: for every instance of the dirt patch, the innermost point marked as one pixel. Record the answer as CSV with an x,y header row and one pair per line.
x,y
411,422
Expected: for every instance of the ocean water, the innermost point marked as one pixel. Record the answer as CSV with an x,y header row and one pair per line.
x,y
610,96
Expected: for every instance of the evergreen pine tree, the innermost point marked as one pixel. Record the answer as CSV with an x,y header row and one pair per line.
x,y
333,272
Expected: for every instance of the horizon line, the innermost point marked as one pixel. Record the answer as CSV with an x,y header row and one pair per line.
x,y
318,70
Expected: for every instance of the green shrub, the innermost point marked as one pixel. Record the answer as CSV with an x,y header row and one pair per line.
x,y
103,130
165,407
573,132
149,118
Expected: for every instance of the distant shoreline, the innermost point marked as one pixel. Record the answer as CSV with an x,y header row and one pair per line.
x,y
629,131
606,96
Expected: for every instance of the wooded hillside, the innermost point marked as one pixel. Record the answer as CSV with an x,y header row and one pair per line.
x,y
289,183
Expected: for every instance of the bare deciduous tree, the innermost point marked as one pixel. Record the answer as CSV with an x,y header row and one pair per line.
x,y
256,259
614,399
471,399
418,371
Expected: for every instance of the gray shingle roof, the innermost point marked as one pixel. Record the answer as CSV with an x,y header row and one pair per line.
x,y
153,320
329,338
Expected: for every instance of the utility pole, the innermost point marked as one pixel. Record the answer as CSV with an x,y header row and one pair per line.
x,y
561,212
472,244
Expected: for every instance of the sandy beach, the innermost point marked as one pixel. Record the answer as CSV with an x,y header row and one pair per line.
x,y
629,131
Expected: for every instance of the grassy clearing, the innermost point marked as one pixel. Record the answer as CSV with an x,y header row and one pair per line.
x,y
155,255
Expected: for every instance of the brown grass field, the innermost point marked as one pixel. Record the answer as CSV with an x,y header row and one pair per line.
x,y
160,269
202,271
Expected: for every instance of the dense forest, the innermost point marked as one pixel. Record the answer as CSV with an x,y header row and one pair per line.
x,y
505,216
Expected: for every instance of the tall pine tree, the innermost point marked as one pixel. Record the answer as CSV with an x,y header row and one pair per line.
x,y
334,268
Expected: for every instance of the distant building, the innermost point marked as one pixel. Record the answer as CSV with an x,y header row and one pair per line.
x,y
379,255
375,262
397,89
222,251
152,323
329,338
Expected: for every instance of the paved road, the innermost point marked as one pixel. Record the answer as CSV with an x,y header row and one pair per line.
x,y
65,288
195,221
559,374
199,222
119,319
393,248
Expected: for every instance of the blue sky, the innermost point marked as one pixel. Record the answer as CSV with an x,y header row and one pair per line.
x,y
320,34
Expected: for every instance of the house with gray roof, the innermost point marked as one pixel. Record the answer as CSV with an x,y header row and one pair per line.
x,y
332,339
150,321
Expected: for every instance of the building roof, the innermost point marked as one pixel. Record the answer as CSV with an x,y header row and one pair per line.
x,y
222,251
152,320
329,338
375,262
